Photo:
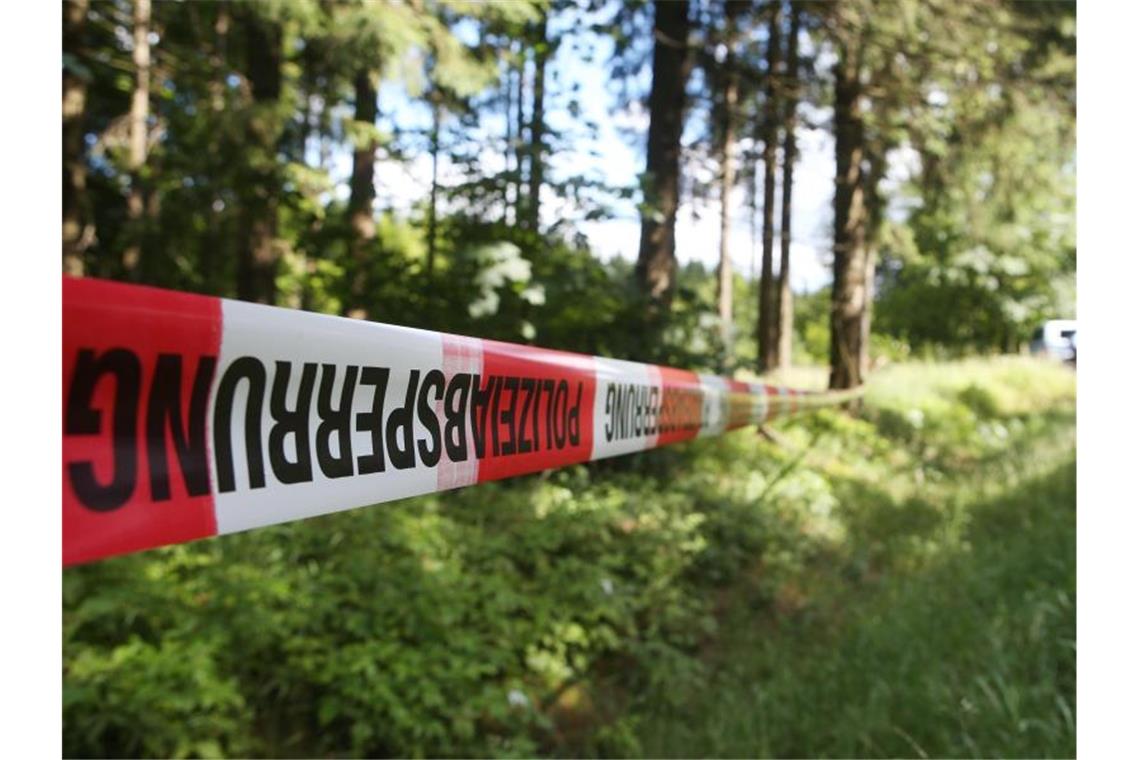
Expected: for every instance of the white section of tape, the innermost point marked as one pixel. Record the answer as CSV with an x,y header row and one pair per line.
x,y
627,401
759,403
460,354
271,335
714,412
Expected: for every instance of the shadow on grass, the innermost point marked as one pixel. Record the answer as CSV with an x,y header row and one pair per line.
x,y
971,655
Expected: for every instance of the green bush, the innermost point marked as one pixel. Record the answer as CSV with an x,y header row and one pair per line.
x,y
542,614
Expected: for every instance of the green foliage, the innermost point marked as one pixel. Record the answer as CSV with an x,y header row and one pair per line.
x,y
812,338
989,252
925,603
585,610
154,700
568,612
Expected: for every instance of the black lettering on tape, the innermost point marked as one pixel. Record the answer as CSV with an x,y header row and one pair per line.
x,y
526,390
294,422
335,422
429,454
398,429
82,419
164,410
535,415
609,411
548,386
508,416
498,381
252,371
480,405
561,399
372,422
574,419
455,417
654,410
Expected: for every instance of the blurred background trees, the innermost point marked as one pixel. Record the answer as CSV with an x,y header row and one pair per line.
x,y
238,149
431,163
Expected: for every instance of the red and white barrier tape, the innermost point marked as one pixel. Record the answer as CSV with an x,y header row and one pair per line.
x,y
186,416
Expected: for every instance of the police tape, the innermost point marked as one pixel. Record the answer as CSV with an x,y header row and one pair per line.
x,y
186,416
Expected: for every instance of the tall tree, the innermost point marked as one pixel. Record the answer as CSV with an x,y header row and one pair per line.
x,y
258,260
789,96
520,132
672,61
535,155
435,99
136,160
510,183
362,189
990,251
767,354
77,230
730,93
849,298
889,77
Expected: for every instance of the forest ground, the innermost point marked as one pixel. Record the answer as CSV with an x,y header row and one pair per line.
x,y
953,631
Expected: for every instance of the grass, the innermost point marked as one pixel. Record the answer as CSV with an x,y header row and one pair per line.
x,y
899,582
929,611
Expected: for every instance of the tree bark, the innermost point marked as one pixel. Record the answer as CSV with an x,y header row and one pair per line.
x,y
136,158
536,158
727,181
849,296
77,232
656,256
786,314
508,145
876,170
753,209
436,118
362,192
218,244
257,267
520,151
768,349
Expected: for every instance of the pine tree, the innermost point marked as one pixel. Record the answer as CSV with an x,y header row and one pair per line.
x,y
140,110
77,230
789,97
767,337
672,60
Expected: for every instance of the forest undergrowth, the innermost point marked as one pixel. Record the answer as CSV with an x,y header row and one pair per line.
x,y
896,582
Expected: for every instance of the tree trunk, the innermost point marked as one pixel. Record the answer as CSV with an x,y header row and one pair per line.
x,y
537,128
727,182
77,232
753,209
362,192
218,244
520,150
257,267
436,117
136,159
768,353
656,256
876,170
508,145
790,94
849,287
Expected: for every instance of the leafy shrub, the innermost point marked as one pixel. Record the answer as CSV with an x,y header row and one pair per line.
x,y
528,616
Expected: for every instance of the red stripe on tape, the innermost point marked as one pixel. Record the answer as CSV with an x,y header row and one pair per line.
x,y
138,366
681,404
186,416
540,408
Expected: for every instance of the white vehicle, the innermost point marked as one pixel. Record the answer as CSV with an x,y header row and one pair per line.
x,y
1056,339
